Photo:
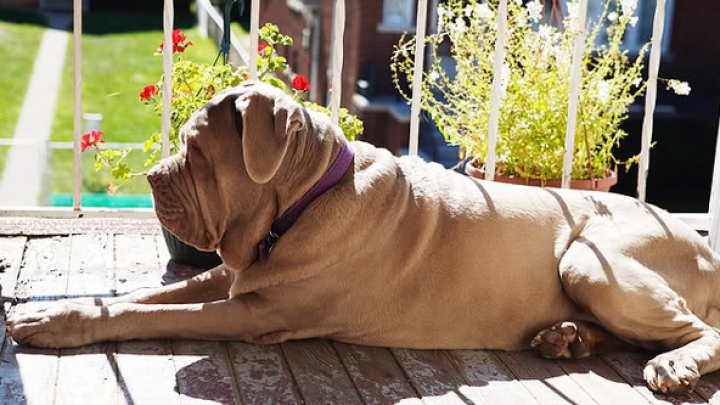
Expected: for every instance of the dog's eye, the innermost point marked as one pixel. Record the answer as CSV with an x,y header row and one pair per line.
x,y
192,146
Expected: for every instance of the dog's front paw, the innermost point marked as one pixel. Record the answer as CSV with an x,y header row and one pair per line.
x,y
560,341
53,324
671,372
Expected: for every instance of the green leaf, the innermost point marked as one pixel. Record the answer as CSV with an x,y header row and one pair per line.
x,y
121,171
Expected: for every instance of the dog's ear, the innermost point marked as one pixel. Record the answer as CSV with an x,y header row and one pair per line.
x,y
268,124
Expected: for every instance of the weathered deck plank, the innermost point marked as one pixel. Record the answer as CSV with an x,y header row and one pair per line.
x,y
599,380
28,375
92,266
547,382
489,379
137,265
44,273
630,366
709,388
313,371
11,251
88,375
320,375
204,373
145,370
146,373
376,374
262,375
434,375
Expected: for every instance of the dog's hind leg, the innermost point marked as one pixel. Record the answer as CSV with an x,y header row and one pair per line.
x,y
637,304
575,340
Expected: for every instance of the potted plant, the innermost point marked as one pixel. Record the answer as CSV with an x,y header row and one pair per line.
x,y
194,84
535,88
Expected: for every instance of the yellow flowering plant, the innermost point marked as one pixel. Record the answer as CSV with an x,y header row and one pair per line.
x,y
535,85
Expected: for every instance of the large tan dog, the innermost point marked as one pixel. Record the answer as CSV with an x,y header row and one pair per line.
x,y
400,252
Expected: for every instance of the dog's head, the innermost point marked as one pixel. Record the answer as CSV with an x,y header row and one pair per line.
x,y
236,157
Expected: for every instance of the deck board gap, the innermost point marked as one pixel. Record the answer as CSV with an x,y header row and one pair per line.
x,y
516,376
405,374
295,382
347,372
233,374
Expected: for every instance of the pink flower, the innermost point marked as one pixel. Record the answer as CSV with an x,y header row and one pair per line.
x,y
91,140
301,83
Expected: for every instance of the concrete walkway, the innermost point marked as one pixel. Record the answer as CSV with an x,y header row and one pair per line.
x,y
28,158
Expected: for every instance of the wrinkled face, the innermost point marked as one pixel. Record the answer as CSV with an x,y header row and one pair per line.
x,y
231,149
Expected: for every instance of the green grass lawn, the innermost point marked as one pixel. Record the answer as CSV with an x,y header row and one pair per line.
x,y
118,62
20,36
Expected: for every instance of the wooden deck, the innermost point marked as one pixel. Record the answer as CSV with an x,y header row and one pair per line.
x,y
51,259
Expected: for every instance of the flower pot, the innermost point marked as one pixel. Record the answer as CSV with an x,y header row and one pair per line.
x,y
602,184
183,253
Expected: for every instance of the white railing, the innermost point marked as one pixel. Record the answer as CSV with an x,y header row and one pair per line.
x,y
710,221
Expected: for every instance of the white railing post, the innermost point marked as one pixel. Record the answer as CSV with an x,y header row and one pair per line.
x,y
714,235
254,38
77,103
421,28
651,98
167,76
496,96
337,59
575,80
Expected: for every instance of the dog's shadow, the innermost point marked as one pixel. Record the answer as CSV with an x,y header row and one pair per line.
x,y
204,380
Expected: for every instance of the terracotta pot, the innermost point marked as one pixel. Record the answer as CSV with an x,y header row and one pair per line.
x,y
602,184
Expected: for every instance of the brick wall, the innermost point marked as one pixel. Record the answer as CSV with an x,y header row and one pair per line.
x,y
377,47
291,23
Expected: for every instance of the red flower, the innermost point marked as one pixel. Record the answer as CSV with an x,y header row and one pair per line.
x,y
262,46
301,83
180,42
149,91
91,140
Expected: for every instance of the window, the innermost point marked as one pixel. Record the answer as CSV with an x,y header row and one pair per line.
x,y
398,14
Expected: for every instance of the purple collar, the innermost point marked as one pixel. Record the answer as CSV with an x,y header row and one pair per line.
x,y
281,224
